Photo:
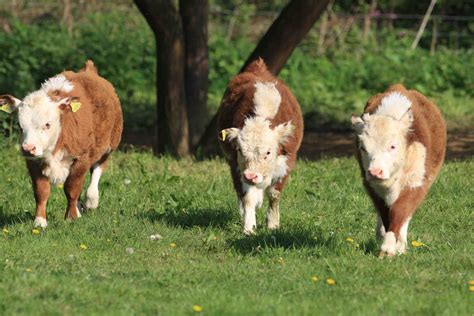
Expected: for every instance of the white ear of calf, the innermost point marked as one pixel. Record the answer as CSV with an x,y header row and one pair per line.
x,y
284,131
357,123
229,134
16,102
407,120
266,99
9,103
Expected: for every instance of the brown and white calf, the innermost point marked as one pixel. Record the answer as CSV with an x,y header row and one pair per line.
x,y
401,140
70,126
261,128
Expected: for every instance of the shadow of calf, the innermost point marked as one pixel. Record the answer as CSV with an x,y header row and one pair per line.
x,y
287,239
188,218
11,219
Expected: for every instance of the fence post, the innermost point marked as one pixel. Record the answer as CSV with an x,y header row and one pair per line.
x,y
423,24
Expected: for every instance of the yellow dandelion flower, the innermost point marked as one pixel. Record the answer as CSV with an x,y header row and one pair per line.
x,y
416,244
197,308
173,245
471,288
60,186
5,230
349,239
471,282
83,247
330,281
314,279
35,231
28,270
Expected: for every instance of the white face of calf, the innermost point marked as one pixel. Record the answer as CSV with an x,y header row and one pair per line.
x,y
39,119
40,116
382,140
257,146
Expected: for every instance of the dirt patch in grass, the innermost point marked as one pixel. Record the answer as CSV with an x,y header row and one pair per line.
x,y
317,145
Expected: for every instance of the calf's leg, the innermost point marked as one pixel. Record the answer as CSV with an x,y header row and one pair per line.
x,y
250,201
41,190
92,193
273,212
401,211
73,188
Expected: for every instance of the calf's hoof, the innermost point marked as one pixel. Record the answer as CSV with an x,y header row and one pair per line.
x,y
41,222
273,226
71,215
389,245
92,201
249,232
383,254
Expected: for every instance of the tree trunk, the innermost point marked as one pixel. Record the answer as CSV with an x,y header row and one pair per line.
x,y
165,22
275,47
194,14
286,32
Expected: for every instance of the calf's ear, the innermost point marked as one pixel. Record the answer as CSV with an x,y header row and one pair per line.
x,y
69,104
9,103
357,123
407,120
228,134
284,131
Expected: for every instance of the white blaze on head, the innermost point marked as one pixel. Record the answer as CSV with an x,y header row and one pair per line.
x,y
39,117
58,82
257,145
382,137
266,99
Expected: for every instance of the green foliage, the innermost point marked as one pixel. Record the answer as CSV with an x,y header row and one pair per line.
x,y
193,206
329,86
124,53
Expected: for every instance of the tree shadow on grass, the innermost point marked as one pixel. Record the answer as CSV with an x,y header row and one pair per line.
x,y
11,219
191,217
287,239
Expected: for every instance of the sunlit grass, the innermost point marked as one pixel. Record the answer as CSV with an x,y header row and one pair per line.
x,y
322,261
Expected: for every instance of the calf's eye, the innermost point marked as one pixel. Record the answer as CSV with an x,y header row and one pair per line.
x,y
47,126
393,147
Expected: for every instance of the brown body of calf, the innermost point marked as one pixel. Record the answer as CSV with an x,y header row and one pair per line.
x,y
88,136
237,105
429,129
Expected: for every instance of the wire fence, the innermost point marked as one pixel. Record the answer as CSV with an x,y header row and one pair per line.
x,y
452,31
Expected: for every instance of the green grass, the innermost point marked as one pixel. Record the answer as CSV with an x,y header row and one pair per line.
x,y
192,205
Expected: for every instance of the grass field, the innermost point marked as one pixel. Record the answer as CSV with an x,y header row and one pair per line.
x,y
105,263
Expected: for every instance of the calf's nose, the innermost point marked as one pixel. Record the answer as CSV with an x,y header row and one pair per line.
x,y
376,172
29,148
250,175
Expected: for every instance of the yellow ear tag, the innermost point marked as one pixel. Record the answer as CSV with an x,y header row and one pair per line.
x,y
6,108
223,135
75,106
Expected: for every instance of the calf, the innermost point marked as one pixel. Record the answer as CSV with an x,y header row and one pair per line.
x,y
401,139
261,128
70,125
